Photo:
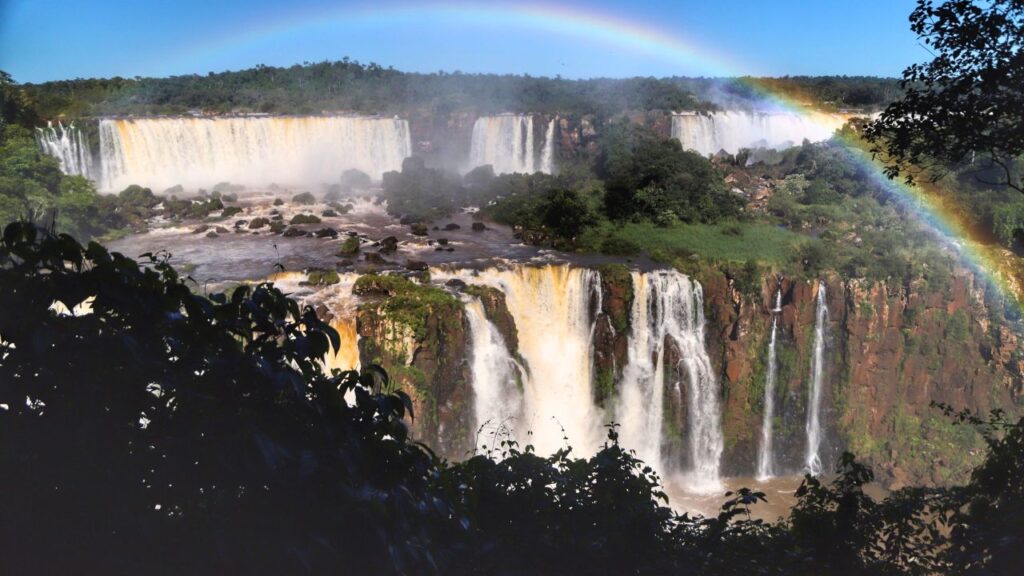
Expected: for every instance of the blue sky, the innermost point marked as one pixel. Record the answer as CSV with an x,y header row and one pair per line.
x,y
58,39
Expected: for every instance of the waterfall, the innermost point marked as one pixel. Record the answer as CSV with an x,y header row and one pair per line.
x,y
643,377
551,309
765,462
547,153
817,369
497,398
708,133
336,300
506,142
667,306
67,145
199,152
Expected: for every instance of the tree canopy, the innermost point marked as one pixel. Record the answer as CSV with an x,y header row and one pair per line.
x,y
964,108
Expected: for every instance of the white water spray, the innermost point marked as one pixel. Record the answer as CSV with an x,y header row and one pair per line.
x,y
547,153
765,457
67,145
506,142
814,432
551,309
497,399
199,152
708,133
668,305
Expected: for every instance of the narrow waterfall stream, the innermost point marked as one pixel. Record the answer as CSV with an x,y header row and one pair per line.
x,y
497,403
814,432
765,461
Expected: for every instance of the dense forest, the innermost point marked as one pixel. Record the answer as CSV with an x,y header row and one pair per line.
x,y
347,85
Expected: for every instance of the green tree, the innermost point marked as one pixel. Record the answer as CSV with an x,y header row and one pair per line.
x,y
963,107
648,178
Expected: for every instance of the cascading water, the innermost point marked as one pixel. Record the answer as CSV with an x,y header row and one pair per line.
x,y
199,152
708,133
814,432
67,145
497,398
668,305
765,457
340,303
506,142
547,153
551,309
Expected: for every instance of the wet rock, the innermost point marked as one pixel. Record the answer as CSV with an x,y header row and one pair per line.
x,y
345,263
496,310
200,229
231,211
442,241
293,233
258,223
406,220
418,229
415,265
277,226
329,214
455,283
326,232
300,219
452,226
221,230
374,258
388,245
241,223
479,227
212,234
278,202
322,277
305,198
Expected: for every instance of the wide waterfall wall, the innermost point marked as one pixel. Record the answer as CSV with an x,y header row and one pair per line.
x,y
814,429
68,145
507,142
668,309
709,133
199,152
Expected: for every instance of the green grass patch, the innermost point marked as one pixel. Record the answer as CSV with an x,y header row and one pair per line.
x,y
726,241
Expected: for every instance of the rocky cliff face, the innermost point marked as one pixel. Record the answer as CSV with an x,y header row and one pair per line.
x,y
890,352
418,334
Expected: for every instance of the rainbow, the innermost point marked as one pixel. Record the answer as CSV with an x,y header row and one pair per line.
x,y
926,201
